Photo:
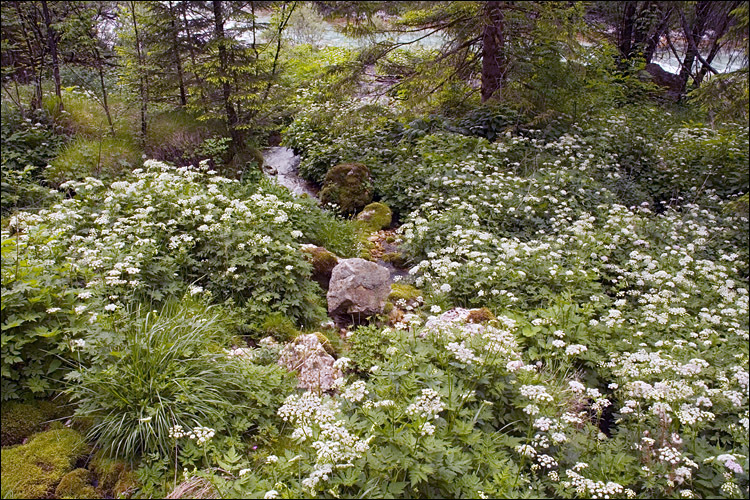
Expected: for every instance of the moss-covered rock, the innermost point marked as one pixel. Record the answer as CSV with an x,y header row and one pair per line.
x,y
740,206
116,478
34,469
21,420
326,343
323,263
482,315
77,483
396,258
376,216
347,186
402,291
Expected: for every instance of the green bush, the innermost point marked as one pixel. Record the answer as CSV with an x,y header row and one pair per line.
x,y
170,370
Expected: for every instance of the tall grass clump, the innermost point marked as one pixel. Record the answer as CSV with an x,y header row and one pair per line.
x,y
109,158
169,370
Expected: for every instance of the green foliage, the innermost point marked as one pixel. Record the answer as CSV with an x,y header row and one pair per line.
x,y
107,158
32,470
169,370
694,158
279,327
32,330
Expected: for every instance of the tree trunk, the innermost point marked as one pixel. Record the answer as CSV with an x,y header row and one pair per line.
x,y
141,77
626,30
176,51
52,46
223,70
494,61
695,32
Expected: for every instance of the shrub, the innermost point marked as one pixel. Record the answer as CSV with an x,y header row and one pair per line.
x,y
176,136
169,370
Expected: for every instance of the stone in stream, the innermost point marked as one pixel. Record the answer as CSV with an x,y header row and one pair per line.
x,y
313,364
358,289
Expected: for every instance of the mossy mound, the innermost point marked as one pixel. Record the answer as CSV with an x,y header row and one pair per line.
x,y
323,263
396,258
482,315
376,216
34,469
77,483
401,291
116,478
740,206
348,186
326,343
21,420
279,327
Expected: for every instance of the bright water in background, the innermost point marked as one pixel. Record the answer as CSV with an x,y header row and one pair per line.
x,y
329,37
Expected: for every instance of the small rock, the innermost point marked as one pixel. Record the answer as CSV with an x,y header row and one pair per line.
x,y
314,366
357,288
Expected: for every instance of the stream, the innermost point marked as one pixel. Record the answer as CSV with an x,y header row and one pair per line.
x,y
282,165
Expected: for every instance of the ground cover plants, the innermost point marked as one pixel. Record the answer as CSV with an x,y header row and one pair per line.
x,y
569,258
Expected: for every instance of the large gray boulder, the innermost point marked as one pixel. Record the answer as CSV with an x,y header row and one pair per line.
x,y
314,366
358,289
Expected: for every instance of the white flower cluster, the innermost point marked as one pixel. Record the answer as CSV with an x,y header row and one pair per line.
x,y
428,405
201,435
355,392
587,488
462,353
316,417
536,393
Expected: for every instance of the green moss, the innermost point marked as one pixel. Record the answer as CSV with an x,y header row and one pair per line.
x,y
347,186
323,263
376,216
20,420
115,476
482,315
34,469
326,343
403,291
396,258
77,484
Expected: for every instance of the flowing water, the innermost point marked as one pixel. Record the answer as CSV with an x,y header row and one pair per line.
x,y
285,164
